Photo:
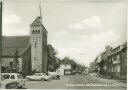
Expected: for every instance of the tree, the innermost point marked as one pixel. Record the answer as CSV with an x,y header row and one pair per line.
x,y
75,66
67,60
53,61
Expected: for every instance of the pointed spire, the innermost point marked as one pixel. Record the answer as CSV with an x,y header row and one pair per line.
x,y
40,10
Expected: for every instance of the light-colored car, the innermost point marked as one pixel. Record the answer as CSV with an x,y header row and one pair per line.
x,y
39,76
12,80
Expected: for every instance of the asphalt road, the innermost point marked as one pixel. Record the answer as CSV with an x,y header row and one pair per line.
x,y
73,82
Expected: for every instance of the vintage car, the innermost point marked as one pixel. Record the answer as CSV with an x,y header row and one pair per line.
x,y
39,76
12,80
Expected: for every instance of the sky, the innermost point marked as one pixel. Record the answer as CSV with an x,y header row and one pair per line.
x,y
80,29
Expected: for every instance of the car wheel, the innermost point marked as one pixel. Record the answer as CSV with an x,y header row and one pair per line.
x,y
28,79
42,79
20,87
45,79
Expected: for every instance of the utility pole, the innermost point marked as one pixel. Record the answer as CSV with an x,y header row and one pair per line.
x,y
0,42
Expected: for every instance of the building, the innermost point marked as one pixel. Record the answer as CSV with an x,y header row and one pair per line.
x,y
32,50
97,64
65,69
38,40
26,60
112,62
92,66
117,62
104,62
9,46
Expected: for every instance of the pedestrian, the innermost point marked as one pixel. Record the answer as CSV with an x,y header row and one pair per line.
x,y
58,77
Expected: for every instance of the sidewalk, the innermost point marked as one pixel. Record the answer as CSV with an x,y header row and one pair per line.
x,y
115,82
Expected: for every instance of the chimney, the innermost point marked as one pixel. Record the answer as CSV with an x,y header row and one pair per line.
x,y
108,49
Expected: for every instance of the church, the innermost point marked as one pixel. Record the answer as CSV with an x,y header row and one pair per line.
x,y
32,50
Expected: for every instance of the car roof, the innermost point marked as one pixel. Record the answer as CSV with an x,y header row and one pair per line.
x,y
11,73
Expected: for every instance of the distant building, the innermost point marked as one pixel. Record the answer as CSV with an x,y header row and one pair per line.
x,y
97,64
92,66
113,62
65,69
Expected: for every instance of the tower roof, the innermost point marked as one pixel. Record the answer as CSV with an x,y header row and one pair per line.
x,y
37,22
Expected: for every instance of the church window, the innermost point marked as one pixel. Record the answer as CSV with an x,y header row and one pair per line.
x,y
35,31
38,31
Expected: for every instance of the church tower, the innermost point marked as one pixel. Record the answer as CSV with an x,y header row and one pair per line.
x,y
38,39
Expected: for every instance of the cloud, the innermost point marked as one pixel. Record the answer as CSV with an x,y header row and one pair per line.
x,y
77,26
12,19
87,47
61,32
93,22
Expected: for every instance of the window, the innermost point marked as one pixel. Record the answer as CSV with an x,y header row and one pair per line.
x,y
109,60
112,69
6,76
109,70
33,32
118,68
118,58
104,67
112,59
19,76
38,74
12,77
38,31
44,74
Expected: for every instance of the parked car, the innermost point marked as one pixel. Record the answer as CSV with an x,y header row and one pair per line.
x,y
39,76
12,80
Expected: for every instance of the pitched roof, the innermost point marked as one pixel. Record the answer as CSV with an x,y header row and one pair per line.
x,y
10,43
38,22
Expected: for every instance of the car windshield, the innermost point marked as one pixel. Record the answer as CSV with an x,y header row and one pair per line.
x,y
44,74
38,74
5,76
12,77
19,76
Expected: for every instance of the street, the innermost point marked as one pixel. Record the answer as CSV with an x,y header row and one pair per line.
x,y
73,82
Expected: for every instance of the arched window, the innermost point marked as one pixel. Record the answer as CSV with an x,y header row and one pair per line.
x,y
38,31
33,32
